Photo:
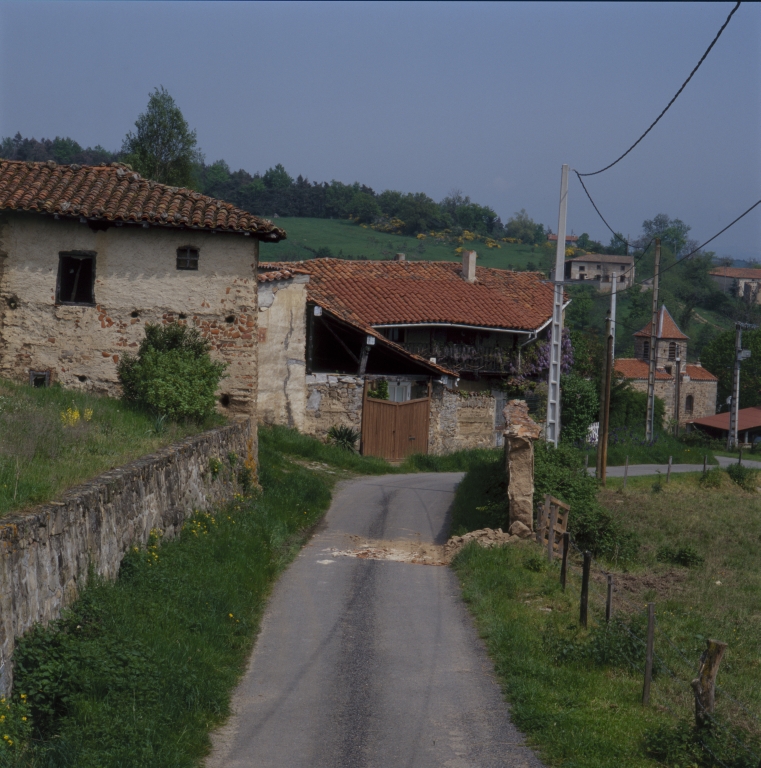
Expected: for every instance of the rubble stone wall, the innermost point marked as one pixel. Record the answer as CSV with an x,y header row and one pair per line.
x,y
332,400
45,553
703,394
460,421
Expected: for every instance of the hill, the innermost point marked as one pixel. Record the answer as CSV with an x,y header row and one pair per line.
x,y
308,238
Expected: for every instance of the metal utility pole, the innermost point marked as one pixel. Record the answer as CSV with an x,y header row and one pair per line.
x,y
552,431
650,418
602,441
740,355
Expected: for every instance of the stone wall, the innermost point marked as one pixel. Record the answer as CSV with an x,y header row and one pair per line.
x,y
282,394
136,282
45,553
703,394
332,400
461,420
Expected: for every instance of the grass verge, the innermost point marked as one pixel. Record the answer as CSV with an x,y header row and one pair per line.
x,y
52,438
625,442
577,692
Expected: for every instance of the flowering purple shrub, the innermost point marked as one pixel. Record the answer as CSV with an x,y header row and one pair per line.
x,y
534,364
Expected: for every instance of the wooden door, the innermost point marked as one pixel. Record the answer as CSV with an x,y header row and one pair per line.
x,y
395,430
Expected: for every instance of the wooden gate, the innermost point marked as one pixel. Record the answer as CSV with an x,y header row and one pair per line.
x,y
395,430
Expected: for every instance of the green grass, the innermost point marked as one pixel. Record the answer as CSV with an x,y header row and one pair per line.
x,y
576,692
141,669
346,239
41,456
624,442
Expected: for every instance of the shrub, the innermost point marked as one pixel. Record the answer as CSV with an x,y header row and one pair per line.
x,y
380,391
172,374
580,406
712,478
744,476
344,437
685,555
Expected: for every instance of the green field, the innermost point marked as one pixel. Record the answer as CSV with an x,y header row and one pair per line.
x,y
345,239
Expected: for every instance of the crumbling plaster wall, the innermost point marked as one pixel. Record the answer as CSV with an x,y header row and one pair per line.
x,y
282,394
136,282
461,420
46,552
332,400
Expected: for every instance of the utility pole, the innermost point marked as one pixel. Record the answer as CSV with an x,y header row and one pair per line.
x,y
613,277
740,355
677,395
602,442
650,418
552,431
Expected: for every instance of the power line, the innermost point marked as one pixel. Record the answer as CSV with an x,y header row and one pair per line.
x,y
676,96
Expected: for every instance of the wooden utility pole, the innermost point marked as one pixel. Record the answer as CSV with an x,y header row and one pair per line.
x,y
602,442
613,290
552,431
677,395
650,418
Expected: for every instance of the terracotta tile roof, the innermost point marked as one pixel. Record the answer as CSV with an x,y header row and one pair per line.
x,y
747,418
667,328
377,293
114,193
279,274
633,368
568,238
698,373
749,273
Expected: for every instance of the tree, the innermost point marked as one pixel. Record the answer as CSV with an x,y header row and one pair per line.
x,y
364,207
522,227
277,178
718,358
163,148
579,405
672,232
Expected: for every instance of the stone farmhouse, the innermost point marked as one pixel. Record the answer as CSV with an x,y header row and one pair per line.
x,y
745,283
440,333
600,268
697,387
88,255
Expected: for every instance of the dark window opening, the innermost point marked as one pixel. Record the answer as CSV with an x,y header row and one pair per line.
x,y
672,350
394,334
646,351
76,278
39,379
225,401
187,258
689,404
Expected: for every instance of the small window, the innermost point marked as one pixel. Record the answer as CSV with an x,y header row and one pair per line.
x,y
39,379
394,334
689,404
646,351
672,350
76,278
187,258
581,268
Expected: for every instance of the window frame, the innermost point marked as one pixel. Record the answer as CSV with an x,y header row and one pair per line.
x,y
183,252
39,374
81,256
689,405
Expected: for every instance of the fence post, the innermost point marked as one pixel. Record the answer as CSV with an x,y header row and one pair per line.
x,y
668,471
585,589
551,533
586,461
609,600
705,463
649,656
626,471
564,564
704,684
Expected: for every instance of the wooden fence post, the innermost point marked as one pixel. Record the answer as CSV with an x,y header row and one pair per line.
x,y
668,471
551,533
704,684
585,589
705,463
626,471
564,565
649,656
609,600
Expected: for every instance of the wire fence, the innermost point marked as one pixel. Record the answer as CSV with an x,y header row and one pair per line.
x,y
675,670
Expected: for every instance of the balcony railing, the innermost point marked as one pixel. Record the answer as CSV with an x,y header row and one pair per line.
x,y
465,357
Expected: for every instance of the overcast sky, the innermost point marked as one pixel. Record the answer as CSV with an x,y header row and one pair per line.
x,y
487,98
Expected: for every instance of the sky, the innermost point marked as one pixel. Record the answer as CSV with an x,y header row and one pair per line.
x,y
490,99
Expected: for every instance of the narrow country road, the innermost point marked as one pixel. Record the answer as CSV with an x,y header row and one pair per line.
x,y
641,470
368,663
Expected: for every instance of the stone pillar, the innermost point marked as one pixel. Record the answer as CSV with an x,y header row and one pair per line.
x,y
520,432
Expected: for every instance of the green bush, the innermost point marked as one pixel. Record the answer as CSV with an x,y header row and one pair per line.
x,y
343,436
712,478
685,555
744,476
561,473
580,407
172,374
628,408
379,391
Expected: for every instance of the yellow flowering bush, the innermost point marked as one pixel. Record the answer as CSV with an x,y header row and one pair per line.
x,y
15,726
70,417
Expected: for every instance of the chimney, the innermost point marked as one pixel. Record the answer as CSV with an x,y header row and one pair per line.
x,y
469,266
399,257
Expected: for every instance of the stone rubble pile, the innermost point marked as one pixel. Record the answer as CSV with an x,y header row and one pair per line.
x,y
486,537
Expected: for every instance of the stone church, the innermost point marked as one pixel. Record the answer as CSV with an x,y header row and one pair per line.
x,y
697,386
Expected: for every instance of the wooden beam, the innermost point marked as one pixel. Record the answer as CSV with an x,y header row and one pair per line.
x,y
342,343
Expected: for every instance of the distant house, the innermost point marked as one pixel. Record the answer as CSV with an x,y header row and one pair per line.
x,y
443,332
600,268
748,425
570,240
698,387
745,283
90,254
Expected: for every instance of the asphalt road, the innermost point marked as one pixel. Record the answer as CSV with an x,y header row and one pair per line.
x,y
640,470
371,663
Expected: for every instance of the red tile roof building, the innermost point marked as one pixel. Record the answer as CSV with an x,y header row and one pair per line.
x,y
743,282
